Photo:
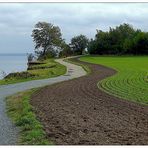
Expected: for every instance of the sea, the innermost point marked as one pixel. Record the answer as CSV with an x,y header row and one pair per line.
x,y
12,63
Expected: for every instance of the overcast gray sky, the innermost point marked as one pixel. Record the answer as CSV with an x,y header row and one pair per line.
x,y
18,19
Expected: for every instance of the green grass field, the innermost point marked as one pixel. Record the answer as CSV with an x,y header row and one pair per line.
x,y
52,69
131,80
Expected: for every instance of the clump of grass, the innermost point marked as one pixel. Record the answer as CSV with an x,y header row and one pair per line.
x,y
21,112
19,75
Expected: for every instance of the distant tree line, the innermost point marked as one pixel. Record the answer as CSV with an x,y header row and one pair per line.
x,y
123,39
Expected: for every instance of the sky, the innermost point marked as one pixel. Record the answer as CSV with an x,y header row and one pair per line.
x,y
17,20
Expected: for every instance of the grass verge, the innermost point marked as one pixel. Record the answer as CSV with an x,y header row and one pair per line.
x,y
21,112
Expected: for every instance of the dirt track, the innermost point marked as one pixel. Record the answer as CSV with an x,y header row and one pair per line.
x,y
77,112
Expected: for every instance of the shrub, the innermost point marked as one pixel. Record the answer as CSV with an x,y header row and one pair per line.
x,y
19,75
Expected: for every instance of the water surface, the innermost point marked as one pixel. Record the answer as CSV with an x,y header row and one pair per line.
x,y
12,63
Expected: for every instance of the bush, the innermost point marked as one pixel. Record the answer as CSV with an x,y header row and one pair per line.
x,y
19,75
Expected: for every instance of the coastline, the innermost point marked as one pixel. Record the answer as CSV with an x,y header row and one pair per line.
x,y
9,63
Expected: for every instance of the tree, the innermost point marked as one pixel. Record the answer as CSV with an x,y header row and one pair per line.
x,y
123,39
30,57
119,35
47,38
103,42
79,43
92,49
140,43
66,50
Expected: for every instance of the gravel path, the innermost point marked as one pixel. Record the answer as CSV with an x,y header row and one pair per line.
x,y
8,132
77,112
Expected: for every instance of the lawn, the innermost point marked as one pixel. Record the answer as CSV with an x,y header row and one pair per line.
x,y
48,69
131,80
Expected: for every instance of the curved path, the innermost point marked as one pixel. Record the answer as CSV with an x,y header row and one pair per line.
x,y
8,132
77,112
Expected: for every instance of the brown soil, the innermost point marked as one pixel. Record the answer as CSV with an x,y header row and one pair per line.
x,y
77,112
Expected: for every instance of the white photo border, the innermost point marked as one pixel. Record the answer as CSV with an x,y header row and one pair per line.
x,y
73,1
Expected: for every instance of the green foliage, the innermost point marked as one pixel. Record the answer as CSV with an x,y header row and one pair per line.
x,y
51,53
30,57
66,50
140,43
21,112
92,47
19,75
47,38
123,39
131,80
79,43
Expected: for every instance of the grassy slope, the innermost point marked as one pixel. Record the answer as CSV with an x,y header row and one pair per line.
x,y
131,81
57,70
21,112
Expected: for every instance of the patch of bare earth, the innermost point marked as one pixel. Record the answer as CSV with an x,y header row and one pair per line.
x,y
77,112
